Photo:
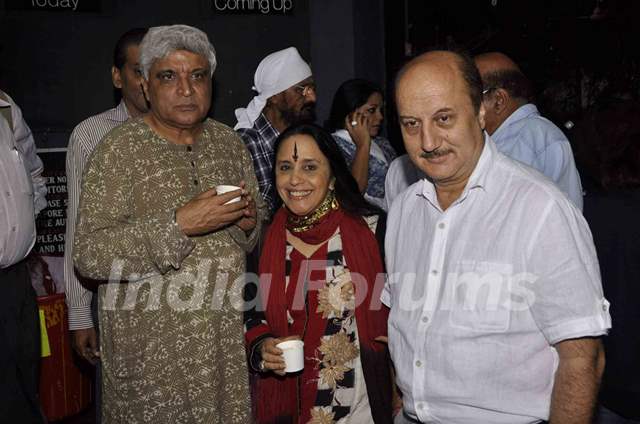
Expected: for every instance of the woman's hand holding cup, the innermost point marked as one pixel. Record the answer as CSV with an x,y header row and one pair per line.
x,y
272,356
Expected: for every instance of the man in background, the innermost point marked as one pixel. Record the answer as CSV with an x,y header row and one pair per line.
x,y
22,197
286,96
126,77
518,129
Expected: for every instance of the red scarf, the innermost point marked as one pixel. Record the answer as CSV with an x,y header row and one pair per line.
x,y
278,396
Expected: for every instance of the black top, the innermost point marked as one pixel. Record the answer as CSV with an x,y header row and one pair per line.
x,y
614,218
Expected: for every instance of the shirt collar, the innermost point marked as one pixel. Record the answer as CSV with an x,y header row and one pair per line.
x,y
520,113
479,178
120,113
4,103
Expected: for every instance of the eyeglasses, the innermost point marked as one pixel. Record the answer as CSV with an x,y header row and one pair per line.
x,y
486,90
304,90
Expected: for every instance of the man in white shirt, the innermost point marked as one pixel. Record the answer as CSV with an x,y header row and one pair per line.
x,y
22,196
494,288
126,77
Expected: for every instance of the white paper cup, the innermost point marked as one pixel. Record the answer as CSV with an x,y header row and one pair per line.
x,y
293,353
221,189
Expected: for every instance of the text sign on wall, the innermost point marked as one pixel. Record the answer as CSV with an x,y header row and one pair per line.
x,y
252,7
55,5
51,222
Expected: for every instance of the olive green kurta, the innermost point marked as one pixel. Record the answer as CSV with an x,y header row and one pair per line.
x,y
172,337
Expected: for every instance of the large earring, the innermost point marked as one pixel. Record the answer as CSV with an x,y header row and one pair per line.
x,y
334,203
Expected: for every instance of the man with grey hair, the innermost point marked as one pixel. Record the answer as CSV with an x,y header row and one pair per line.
x,y
151,221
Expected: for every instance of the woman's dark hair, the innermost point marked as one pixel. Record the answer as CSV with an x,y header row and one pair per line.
x,y
346,188
607,144
350,95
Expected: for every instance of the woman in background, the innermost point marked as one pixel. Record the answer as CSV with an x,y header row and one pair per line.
x,y
355,120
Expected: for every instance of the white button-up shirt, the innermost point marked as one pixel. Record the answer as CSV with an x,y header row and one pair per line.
x,y
22,187
480,293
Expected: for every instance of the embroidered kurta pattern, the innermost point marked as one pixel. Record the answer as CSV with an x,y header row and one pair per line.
x,y
172,337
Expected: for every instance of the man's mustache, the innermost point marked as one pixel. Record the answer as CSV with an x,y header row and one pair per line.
x,y
434,153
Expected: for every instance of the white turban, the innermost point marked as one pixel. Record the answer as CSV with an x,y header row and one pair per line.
x,y
276,73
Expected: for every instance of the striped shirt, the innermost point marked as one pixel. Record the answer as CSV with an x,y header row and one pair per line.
x,y
380,156
84,139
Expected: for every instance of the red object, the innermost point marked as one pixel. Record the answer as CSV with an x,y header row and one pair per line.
x,y
64,389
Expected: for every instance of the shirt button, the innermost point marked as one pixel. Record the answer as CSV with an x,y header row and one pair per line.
x,y
13,229
425,319
418,364
441,225
434,272
195,182
8,194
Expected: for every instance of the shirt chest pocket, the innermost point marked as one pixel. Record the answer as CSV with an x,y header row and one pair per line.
x,y
479,296
18,174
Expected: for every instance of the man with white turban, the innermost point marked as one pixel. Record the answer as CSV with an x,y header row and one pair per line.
x,y
286,96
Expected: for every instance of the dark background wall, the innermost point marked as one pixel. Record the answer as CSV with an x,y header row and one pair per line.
x,y
576,52
56,64
347,41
